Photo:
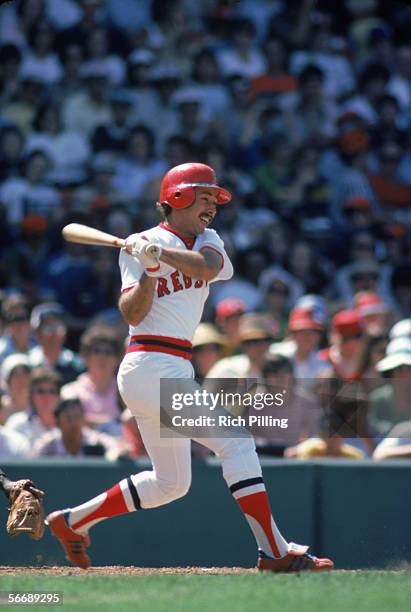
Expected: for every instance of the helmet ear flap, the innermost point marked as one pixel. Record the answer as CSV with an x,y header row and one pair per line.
x,y
181,197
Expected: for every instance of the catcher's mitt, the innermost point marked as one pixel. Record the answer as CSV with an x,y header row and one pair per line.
x,y
26,512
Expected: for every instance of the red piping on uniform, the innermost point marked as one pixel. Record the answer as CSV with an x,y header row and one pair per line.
x,y
189,242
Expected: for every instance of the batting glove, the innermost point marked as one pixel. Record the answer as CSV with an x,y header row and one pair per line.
x,y
148,253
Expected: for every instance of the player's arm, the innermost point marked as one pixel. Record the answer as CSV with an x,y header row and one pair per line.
x,y
5,483
202,265
136,303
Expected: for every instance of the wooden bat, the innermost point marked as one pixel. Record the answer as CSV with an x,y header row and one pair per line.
x,y
83,234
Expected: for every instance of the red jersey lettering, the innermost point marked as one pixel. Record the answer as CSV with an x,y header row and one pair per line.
x,y
162,288
177,286
187,281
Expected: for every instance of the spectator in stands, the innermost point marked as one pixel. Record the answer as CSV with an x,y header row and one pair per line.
x,y
26,15
208,348
164,79
31,193
15,377
139,86
390,403
11,149
49,326
306,329
399,83
255,336
402,329
99,195
313,116
276,79
13,445
191,121
16,337
71,438
374,314
72,266
24,259
84,110
96,387
249,264
306,267
40,59
372,85
397,444
72,56
363,272
206,81
21,110
68,150
274,175
346,341
243,58
328,444
139,164
372,351
280,291
10,64
350,168
44,397
228,315
90,15
112,136
299,408
393,194
358,213
323,50
98,53
388,128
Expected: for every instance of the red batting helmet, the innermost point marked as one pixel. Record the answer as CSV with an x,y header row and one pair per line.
x,y
177,186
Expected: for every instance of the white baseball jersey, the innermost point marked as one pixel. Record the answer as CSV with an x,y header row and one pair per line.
x,y
178,299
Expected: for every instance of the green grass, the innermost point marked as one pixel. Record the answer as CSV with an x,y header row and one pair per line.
x,y
362,591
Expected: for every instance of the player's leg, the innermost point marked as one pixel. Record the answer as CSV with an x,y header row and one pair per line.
x,y
169,479
242,472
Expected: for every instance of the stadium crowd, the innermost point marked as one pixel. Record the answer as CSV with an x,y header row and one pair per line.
x,y
303,108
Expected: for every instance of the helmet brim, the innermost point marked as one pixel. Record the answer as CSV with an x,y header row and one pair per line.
x,y
223,195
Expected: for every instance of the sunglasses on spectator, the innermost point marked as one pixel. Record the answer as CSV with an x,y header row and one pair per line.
x,y
256,341
207,347
46,391
353,337
102,350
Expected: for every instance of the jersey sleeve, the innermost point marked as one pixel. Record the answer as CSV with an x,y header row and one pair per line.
x,y
213,241
131,270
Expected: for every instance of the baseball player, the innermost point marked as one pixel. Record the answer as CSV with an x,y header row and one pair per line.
x,y
166,272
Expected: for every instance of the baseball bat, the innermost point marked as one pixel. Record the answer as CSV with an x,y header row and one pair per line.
x,y
83,234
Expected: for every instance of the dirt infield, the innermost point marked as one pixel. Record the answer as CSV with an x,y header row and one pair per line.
x,y
118,570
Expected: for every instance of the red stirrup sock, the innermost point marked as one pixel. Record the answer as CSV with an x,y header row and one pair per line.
x,y
252,498
120,499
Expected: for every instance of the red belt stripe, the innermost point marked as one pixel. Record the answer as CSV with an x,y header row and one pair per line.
x,y
161,344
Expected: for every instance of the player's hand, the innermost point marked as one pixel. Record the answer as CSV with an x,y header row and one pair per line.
x,y
148,253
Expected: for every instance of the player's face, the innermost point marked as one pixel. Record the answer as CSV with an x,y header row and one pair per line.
x,y
197,217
